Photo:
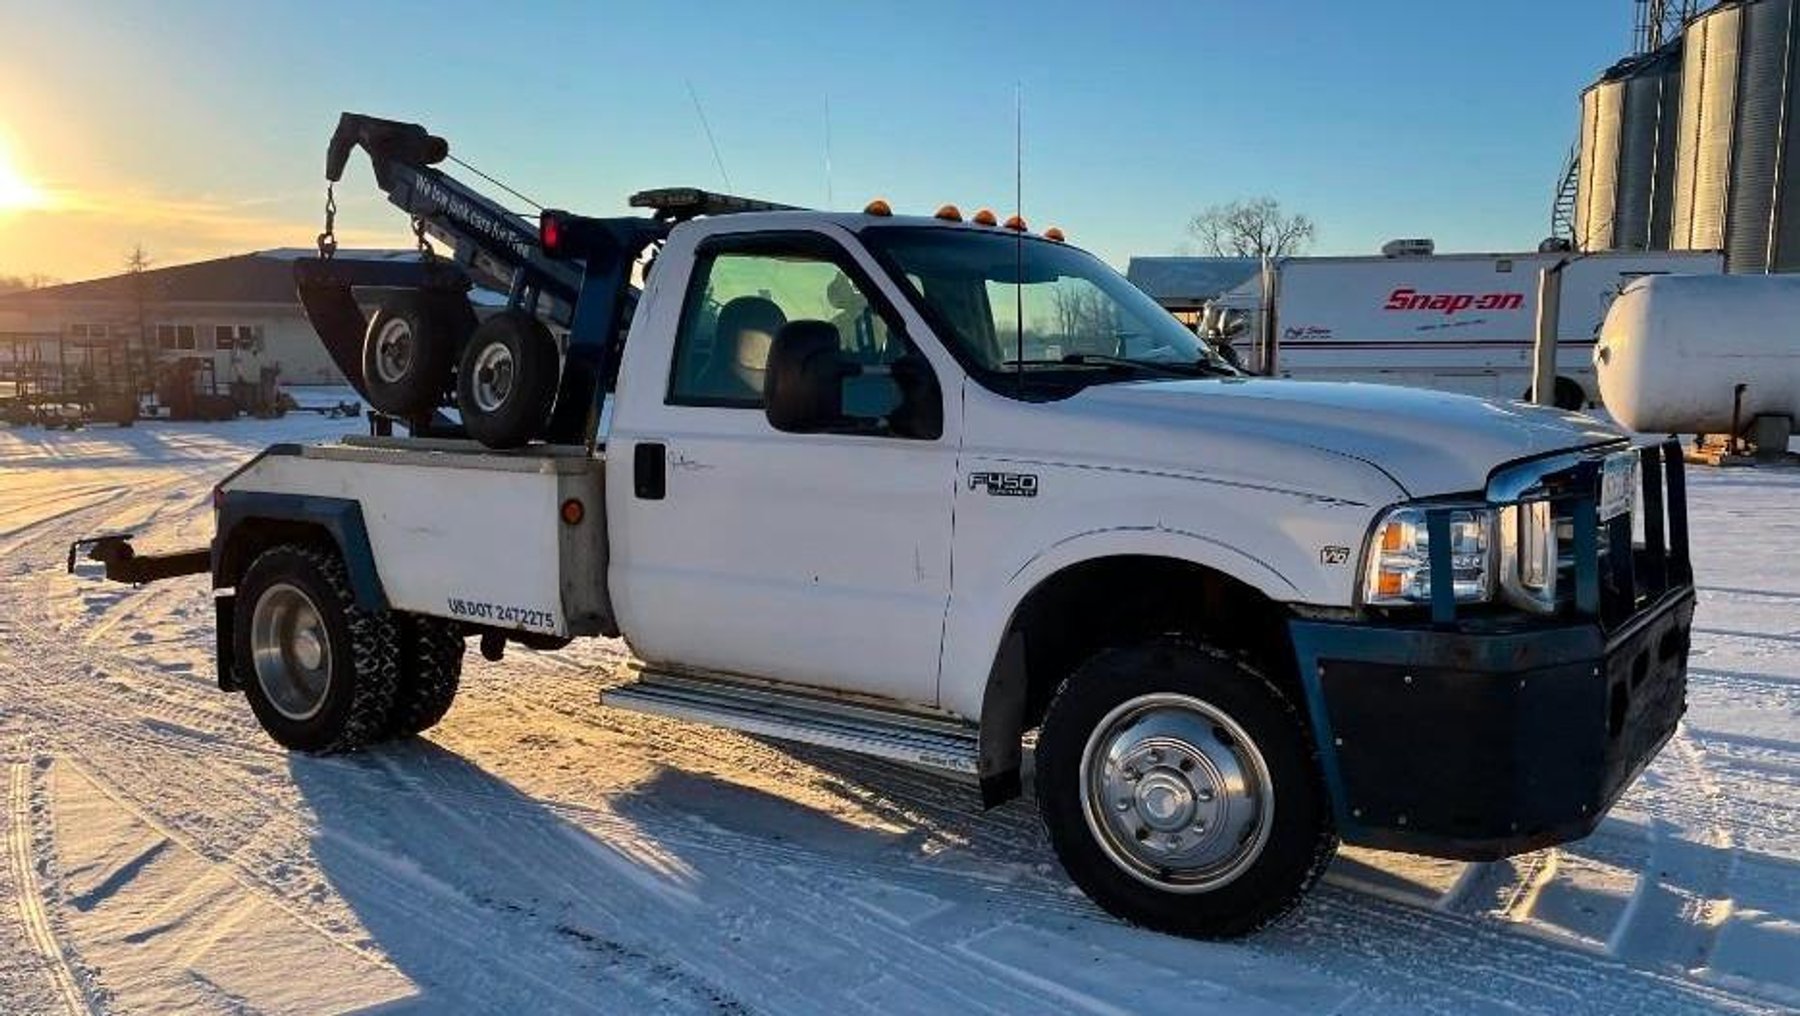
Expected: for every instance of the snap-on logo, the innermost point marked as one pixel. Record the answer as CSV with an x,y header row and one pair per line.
x,y
1450,303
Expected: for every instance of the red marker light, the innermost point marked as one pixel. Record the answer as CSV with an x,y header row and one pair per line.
x,y
550,232
573,511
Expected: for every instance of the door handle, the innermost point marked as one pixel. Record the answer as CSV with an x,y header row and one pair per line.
x,y
649,476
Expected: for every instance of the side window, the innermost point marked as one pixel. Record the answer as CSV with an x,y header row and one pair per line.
x,y
740,302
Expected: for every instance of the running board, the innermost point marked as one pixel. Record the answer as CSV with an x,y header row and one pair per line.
x,y
810,718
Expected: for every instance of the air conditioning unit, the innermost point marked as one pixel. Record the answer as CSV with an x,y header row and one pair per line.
x,y
1416,248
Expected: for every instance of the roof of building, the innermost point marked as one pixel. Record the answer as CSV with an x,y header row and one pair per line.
x,y
258,277
1189,280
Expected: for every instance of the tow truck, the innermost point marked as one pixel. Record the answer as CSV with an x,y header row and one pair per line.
x,y
934,488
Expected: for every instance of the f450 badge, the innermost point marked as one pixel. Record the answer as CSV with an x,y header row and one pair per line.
x,y
1005,484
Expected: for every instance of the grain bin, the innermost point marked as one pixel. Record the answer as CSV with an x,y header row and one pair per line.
x,y
1627,159
1737,149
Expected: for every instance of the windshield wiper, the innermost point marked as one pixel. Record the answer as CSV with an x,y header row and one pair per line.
x,y
1175,368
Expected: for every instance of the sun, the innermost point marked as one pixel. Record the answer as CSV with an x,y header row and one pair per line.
x,y
17,193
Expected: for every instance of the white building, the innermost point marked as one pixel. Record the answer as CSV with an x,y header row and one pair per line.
x,y
240,311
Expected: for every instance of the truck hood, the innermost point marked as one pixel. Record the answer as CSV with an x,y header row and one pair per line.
x,y
1427,442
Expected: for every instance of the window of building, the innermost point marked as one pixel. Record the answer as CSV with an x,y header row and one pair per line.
x,y
236,336
175,337
87,331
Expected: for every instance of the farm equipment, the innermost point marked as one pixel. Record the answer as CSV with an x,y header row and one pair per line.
x,y
54,380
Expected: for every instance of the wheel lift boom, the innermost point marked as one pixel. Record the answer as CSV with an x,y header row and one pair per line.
x,y
585,290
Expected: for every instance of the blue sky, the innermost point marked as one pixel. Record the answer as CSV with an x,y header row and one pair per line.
x,y
197,126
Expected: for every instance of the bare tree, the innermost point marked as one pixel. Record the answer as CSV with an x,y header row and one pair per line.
x,y
1253,227
16,283
137,262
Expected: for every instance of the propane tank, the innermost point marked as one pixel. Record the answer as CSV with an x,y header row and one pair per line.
x,y
1675,349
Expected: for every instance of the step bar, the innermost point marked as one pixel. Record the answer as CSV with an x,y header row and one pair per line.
x,y
932,740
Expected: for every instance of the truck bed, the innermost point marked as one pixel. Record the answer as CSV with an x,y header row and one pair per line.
x,y
457,530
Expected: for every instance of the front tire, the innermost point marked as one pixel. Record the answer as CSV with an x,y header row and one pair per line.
x,y
1181,791
319,671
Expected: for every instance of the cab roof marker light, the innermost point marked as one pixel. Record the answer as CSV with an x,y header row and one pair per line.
x,y
984,217
949,213
1015,223
1054,235
878,207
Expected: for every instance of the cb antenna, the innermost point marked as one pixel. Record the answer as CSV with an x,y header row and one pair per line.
x,y
829,203
707,128
1019,234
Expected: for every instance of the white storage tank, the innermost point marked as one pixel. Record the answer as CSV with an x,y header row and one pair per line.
x,y
1674,349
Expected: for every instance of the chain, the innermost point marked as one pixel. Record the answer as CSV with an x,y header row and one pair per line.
x,y
328,239
425,251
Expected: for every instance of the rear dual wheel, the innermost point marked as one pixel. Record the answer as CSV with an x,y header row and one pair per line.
x,y
324,675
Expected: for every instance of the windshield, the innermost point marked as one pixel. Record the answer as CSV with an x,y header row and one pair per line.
x,y
1010,302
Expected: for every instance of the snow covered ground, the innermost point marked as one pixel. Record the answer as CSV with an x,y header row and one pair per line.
x,y
539,852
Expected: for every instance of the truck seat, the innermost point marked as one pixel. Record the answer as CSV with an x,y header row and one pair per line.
x,y
740,352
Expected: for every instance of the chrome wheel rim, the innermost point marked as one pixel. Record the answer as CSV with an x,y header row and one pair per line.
x,y
493,377
291,651
1176,793
393,350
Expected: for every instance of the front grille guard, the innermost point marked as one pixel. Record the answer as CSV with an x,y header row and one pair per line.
x,y
1634,575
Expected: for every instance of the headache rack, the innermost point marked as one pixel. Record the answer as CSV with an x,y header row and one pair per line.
x,y
1608,575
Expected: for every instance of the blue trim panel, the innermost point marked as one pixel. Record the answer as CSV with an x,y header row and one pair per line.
x,y
340,517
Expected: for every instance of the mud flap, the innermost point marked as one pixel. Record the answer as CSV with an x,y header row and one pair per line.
x,y
224,615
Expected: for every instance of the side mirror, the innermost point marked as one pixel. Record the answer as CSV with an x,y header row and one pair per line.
x,y
803,387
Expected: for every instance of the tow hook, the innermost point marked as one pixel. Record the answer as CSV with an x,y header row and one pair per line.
x,y
493,646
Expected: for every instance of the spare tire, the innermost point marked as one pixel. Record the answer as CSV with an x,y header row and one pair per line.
x,y
506,382
408,351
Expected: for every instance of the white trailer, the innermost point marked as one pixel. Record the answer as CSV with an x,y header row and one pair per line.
x,y
1455,322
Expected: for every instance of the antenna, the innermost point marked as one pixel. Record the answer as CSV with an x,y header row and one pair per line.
x,y
829,203
707,127
1019,235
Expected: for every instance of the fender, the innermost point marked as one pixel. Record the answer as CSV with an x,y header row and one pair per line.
x,y
342,518
1003,696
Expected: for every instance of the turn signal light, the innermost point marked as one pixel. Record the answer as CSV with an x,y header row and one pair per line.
x,y
950,213
878,207
984,217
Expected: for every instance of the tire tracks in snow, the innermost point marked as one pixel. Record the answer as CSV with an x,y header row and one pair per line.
x,y
21,853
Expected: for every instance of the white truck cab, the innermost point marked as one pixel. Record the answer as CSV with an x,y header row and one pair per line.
x,y
918,487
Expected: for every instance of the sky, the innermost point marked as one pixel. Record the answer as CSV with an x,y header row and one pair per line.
x,y
197,127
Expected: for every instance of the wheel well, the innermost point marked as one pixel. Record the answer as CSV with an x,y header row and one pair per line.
x,y
1114,601
252,536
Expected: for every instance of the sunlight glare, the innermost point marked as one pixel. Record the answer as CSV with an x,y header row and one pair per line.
x,y
16,192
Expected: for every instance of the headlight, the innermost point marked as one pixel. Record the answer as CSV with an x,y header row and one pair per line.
x,y
1529,555
1399,557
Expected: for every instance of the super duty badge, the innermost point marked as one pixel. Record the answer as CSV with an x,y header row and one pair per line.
x,y
1005,484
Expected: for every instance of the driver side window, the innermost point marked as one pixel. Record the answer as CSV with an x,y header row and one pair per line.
x,y
738,303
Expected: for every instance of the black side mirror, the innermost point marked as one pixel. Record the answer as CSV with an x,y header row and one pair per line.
x,y
803,387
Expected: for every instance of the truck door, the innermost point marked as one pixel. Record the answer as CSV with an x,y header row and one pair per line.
x,y
820,559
